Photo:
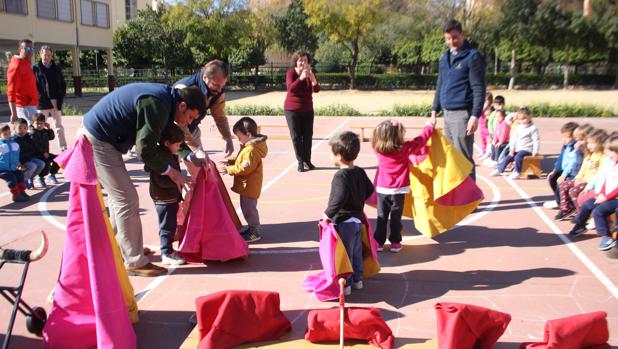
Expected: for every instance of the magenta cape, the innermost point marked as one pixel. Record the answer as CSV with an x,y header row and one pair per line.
x,y
336,263
208,230
89,308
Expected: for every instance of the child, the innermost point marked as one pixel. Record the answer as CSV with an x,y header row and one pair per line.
x,y
166,194
499,102
605,203
593,154
393,180
501,136
567,163
28,154
41,134
349,190
247,170
10,167
485,140
526,142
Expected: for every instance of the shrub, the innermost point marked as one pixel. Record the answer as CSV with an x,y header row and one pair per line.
x,y
337,110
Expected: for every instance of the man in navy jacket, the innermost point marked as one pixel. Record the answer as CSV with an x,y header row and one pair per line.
x,y
460,90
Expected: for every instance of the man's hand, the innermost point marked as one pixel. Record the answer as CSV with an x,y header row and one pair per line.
x,y
177,178
473,124
325,218
229,147
600,199
432,119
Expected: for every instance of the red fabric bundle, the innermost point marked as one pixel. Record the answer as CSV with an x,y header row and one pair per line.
x,y
465,326
360,323
229,318
575,332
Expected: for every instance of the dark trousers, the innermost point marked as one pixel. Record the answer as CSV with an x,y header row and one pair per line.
x,y
12,178
599,213
301,132
50,166
518,158
389,204
167,226
496,151
350,234
552,178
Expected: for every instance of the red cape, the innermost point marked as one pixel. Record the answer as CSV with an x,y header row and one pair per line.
x,y
575,332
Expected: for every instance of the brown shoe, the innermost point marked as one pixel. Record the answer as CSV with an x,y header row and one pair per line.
x,y
612,253
148,270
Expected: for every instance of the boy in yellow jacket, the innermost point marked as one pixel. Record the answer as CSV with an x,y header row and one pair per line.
x,y
247,170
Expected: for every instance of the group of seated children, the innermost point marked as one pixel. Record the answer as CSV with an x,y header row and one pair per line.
x,y
25,159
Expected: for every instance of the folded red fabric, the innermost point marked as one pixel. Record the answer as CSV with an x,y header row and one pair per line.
x,y
588,330
229,318
466,326
360,323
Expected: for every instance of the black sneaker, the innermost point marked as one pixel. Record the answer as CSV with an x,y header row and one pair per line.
x,y
301,167
250,236
559,216
577,231
309,166
574,218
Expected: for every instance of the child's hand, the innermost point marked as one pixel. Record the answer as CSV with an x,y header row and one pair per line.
x,y
222,167
600,199
46,155
47,125
512,153
20,167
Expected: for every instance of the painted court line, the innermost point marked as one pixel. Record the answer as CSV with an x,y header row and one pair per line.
x,y
574,249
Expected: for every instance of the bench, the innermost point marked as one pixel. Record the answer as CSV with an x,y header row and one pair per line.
x,y
531,166
371,127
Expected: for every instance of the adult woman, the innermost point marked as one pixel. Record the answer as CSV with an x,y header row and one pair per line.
x,y
301,84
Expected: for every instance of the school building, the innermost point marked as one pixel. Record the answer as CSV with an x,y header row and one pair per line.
x,y
66,25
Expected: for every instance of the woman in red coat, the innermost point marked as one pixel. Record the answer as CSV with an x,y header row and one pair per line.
x,y
301,84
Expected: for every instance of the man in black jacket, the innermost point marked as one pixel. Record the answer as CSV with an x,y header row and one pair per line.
x,y
52,89
460,90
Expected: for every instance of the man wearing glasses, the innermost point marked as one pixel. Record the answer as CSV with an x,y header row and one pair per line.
x,y
21,85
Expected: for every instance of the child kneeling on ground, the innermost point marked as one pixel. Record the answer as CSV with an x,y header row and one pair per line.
x,y
11,169
247,170
606,201
349,190
166,194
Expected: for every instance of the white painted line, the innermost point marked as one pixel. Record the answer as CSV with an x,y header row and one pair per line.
x,y
4,194
574,249
43,208
494,202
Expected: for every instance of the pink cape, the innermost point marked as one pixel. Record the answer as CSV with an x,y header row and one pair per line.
x,y
336,263
89,309
208,230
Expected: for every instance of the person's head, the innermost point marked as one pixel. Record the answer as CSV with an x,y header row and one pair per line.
x,y
26,50
388,136
46,54
39,121
300,59
20,127
499,102
489,98
215,74
611,147
524,116
567,132
581,132
172,137
453,35
191,104
245,129
345,147
5,132
595,141
500,115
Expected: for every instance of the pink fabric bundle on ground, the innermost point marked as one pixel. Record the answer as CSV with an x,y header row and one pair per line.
x,y
575,332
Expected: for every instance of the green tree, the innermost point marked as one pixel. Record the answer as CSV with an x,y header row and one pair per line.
x,y
294,33
331,56
345,22
606,16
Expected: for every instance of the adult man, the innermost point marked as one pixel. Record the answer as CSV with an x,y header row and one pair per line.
x,y
52,89
136,114
460,90
211,79
21,84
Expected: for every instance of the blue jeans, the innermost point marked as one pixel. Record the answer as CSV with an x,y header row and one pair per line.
x,y
12,178
350,234
519,159
504,153
33,168
167,226
599,213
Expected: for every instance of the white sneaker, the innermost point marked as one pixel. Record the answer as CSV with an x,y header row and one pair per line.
x,y
482,157
39,183
347,291
495,173
487,162
358,285
172,259
550,205
514,175
492,164
591,225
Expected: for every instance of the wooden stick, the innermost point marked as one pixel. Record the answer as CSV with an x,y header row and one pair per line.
x,y
341,311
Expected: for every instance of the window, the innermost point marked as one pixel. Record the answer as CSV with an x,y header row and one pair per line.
x,y
86,12
101,12
55,9
19,7
64,10
130,8
45,9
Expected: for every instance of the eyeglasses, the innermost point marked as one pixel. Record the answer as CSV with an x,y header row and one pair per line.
x,y
28,49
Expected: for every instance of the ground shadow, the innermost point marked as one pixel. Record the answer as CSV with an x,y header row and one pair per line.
x,y
22,342
162,329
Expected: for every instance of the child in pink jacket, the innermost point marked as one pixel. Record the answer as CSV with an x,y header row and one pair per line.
x,y
393,178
